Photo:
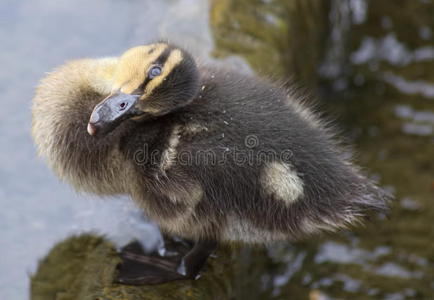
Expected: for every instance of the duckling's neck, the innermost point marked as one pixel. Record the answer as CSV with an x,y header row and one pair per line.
x,y
100,74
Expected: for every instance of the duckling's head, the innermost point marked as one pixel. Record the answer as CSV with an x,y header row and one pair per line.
x,y
149,80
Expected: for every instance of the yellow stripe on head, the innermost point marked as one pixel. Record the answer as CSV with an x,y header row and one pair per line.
x,y
175,57
132,68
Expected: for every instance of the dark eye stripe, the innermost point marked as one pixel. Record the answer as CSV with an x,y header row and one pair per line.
x,y
151,50
161,60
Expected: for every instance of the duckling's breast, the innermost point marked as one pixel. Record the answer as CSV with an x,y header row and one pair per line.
x,y
61,108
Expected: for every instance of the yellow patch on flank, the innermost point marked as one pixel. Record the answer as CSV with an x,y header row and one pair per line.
x,y
281,180
131,70
172,61
168,157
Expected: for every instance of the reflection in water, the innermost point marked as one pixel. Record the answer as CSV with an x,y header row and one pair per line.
x,y
410,87
417,122
346,254
389,49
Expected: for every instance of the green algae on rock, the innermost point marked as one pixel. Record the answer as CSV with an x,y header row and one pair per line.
x,y
84,267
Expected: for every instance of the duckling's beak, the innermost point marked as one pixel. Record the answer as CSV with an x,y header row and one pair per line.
x,y
111,111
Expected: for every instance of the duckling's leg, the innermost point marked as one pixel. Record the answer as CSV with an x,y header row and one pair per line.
x,y
195,259
138,268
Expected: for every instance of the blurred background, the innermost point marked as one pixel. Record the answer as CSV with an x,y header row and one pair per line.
x,y
370,65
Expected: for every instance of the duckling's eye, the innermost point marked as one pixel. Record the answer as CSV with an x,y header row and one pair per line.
x,y
154,71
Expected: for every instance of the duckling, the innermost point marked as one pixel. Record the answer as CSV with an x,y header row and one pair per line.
x,y
210,155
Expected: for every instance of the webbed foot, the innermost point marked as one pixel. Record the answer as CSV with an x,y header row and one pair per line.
x,y
184,262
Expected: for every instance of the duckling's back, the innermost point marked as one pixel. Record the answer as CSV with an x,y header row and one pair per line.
x,y
248,162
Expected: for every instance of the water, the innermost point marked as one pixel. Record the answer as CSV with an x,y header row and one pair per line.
x,y
370,63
